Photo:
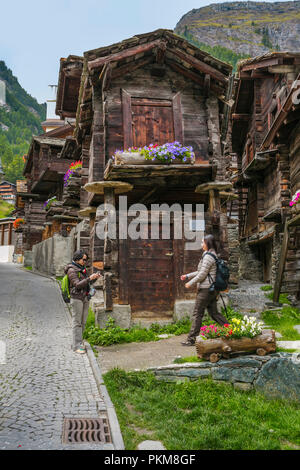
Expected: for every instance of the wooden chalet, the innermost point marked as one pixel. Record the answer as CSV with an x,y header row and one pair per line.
x,y
264,137
46,164
152,88
8,191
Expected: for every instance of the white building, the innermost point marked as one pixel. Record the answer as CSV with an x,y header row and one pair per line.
x,y
52,120
2,93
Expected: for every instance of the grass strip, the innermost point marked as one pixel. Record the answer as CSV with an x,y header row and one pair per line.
x,y
200,414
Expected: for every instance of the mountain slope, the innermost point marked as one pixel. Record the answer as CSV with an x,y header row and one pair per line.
x,y
246,28
20,118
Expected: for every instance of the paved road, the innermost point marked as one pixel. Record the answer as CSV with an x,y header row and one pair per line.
x,y
42,380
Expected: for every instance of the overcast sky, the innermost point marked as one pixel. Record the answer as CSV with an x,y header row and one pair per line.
x,y
34,34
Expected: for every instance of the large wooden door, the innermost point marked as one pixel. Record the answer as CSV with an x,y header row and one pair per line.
x,y
152,122
148,281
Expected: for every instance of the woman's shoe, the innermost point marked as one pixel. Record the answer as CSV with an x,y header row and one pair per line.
x,y
80,351
188,343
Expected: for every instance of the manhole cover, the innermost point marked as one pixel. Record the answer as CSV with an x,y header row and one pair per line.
x,y
82,430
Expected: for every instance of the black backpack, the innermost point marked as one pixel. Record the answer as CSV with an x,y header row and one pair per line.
x,y
222,276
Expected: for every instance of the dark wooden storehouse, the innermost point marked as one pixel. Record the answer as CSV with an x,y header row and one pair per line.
x,y
152,88
264,137
46,164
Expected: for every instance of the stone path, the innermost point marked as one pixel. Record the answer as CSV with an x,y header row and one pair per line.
x,y
42,380
132,356
247,297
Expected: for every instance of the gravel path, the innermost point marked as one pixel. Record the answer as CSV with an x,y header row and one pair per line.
x,y
42,380
132,356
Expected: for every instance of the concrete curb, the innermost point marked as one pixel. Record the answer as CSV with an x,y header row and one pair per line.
x,y
112,416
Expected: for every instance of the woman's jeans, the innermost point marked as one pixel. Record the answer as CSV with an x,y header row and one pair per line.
x,y
205,299
80,311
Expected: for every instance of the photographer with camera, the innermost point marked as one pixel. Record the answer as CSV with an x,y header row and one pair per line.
x,y
207,294
80,293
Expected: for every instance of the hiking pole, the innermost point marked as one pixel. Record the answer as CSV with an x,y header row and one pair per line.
x,y
224,306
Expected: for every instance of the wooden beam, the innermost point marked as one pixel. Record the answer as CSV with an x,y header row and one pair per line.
x,y
281,69
106,76
110,249
123,272
215,89
127,119
97,63
206,87
260,65
283,253
161,52
199,65
131,67
255,74
214,201
240,117
177,118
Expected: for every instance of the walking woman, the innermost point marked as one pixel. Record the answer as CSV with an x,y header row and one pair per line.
x,y
206,298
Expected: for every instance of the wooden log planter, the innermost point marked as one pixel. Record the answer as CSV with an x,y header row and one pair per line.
x,y
215,349
136,158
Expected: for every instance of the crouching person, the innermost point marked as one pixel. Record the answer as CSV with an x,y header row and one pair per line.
x,y
79,283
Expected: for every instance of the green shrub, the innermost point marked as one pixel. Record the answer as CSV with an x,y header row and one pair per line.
x,y
266,288
113,334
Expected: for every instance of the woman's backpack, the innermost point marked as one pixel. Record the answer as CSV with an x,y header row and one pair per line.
x,y
65,288
222,276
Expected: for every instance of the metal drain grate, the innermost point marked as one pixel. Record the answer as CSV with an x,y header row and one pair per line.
x,y
82,430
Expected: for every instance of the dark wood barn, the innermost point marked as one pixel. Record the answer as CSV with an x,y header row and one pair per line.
x,y
264,137
152,88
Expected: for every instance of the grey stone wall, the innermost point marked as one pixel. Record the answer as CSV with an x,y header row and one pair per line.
x,y
250,265
52,255
276,375
234,252
276,248
27,258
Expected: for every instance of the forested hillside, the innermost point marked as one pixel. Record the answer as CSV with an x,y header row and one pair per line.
x,y
19,120
234,30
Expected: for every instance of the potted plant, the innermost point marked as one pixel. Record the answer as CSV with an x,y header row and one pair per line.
x,y
47,204
75,166
169,153
294,203
244,335
17,224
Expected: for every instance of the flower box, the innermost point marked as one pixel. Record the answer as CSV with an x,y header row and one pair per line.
x,y
136,158
216,348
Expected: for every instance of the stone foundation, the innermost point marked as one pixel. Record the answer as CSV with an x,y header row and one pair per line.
x,y
27,258
250,265
276,375
120,313
234,252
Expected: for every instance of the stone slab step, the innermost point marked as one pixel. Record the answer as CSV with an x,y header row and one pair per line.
x,y
289,344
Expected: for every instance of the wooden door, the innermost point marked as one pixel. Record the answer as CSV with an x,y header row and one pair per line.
x,y
266,257
152,122
148,280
